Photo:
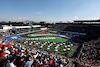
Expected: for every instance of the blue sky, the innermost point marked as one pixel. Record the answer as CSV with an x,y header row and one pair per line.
x,y
49,10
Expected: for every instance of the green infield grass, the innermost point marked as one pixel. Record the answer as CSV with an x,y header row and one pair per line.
x,y
60,49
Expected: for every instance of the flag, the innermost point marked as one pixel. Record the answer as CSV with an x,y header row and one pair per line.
x,y
34,44
0,44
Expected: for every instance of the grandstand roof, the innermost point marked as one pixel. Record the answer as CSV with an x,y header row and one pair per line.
x,y
87,20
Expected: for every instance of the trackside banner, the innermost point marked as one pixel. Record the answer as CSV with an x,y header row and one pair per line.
x,y
62,36
44,38
41,34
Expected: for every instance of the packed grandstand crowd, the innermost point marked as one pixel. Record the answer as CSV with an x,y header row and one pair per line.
x,y
14,53
91,53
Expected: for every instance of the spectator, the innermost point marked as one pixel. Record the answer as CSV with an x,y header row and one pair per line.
x,y
29,61
11,64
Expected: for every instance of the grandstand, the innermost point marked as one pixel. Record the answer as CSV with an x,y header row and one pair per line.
x,y
77,43
82,31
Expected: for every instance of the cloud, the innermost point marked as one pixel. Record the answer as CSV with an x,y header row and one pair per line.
x,y
89,18
38,12
50,19
75,18
12,18
71,19
18,18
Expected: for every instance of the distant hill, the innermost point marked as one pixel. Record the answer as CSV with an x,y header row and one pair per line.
x,y
29,21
